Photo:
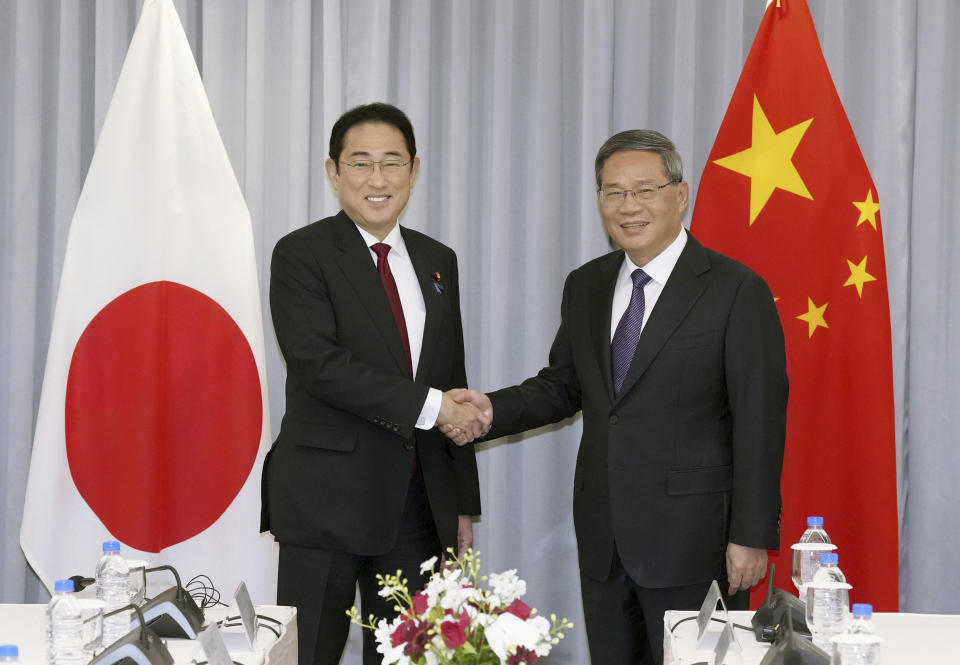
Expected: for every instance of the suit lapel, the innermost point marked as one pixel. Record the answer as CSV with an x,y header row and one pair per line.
x,y
683,288
424,266
601,306
359,268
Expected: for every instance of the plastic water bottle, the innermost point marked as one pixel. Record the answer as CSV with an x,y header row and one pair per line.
x,y
859,643
64,627
113,588
9,653
806,554
828,600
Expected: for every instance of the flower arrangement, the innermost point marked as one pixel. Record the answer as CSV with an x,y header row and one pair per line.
x,y
453,621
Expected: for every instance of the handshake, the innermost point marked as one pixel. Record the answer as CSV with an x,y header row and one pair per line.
x,y
464,415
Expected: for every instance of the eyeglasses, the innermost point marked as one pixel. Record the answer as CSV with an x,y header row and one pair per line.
x,y
611,198
390,168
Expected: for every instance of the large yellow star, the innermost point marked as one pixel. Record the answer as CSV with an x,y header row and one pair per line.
x,y
814,316
859,275
868,210
767,162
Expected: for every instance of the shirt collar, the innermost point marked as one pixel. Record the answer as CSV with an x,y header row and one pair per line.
x,y
394,239
660,267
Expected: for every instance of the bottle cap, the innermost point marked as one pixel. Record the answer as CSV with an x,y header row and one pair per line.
x,y
814,520
63,585
9,651
862,610
829,557
111,546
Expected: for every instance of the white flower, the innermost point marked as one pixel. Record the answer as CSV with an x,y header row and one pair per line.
x,y
542,626
391,654
428,564
510,631
480,618
452,575
455,597
507,586
443,584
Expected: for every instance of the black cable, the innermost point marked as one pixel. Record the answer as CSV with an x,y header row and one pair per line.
x,y
259,616
202,590
273,630
223,623
735,625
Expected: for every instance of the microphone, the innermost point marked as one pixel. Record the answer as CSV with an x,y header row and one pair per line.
x,y
80,582
770,617
792,649
141,646
173,613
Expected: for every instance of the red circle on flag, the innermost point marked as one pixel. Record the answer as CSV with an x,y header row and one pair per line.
x,y
163,414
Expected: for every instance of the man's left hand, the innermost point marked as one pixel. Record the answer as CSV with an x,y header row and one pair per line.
x,y
746,566
464,534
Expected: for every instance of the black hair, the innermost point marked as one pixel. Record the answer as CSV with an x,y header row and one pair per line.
x,y
375,112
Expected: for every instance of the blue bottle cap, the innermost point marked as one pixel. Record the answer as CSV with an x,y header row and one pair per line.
x,y
9,651
63,585
814,520
111,546
829,557
862,610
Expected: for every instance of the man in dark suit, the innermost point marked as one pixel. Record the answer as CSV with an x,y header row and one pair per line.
x,y
675,355
367,315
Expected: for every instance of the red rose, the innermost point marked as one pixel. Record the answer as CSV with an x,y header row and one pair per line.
x,y
453,634
520,609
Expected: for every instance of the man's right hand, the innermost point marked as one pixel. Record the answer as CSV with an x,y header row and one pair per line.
x,y
460,419
480,403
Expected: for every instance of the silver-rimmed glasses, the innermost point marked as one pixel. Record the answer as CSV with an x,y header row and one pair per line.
x,y
612,197
391,168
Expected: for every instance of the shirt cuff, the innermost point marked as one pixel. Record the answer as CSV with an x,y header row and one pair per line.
x,y
430,410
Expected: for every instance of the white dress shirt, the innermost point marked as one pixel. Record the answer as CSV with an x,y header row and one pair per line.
x,y
659,269
414,310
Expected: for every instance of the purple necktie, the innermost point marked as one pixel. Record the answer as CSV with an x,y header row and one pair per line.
x,y
625,339
393,295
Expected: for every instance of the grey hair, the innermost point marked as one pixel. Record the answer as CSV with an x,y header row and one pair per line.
x,y
642,139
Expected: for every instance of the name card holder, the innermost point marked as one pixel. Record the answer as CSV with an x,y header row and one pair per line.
x,y
719,642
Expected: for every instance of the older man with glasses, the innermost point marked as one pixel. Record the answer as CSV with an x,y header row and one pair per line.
x,y
675,355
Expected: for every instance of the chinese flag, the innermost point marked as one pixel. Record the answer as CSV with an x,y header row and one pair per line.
x,y
787,192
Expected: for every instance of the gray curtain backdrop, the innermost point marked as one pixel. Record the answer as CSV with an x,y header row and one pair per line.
x,y
510,101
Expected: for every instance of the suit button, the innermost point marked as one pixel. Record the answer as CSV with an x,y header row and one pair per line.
x,y
614,419
376,420
396,428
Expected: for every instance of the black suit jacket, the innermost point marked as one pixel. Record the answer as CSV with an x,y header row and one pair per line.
x,y
688,457
337,475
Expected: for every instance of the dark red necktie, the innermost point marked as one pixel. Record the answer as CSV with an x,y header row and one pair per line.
x,y
393,295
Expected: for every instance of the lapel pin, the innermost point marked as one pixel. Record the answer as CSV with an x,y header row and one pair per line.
x,y
436,282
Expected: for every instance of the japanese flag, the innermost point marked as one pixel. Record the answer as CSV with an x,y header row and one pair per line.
x,y
153,419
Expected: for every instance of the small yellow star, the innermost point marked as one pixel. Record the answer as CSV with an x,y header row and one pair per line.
x,y
859,275
814,316
868,210
768,161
